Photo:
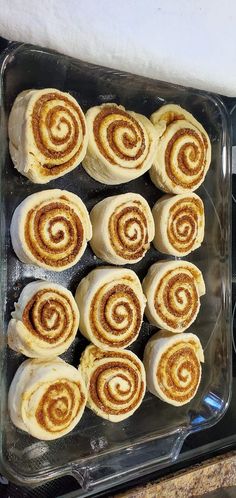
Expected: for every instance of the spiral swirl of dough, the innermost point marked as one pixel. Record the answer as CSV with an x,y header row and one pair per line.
x,y
116,382
45,320
121,144
111,305
120,137
173,366
52,131
128,228
47,398
184,151
51,229
129,231
179,224
173,290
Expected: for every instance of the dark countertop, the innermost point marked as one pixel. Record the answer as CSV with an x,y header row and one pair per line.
x,y
214,474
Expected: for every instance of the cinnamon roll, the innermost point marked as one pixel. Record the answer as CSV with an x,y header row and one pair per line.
x,y
47,134
45,320
173,366
47,398
173,290
115,380
121,146
183,153
127,228
179,223
111,305
51,229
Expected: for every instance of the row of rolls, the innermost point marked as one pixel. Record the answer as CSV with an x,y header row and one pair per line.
x,y
47,396
49,135
51,228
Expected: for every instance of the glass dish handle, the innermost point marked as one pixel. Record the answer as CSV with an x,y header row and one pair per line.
x,y
137,460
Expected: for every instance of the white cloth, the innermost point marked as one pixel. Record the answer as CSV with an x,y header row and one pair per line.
x,y
187,42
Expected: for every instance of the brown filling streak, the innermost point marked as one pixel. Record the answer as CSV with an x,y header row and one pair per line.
x,y
93,387
179,319
76,238
115,223
102,321
184,213
107,111
46,310
37,113
167,364
59,417
182,163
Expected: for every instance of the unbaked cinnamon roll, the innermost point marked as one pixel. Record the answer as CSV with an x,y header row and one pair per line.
x,y
173,366
45,320
173,290
51,229
179,223
47,398
115,380
183,153
123,228
47,134
121,144
111,305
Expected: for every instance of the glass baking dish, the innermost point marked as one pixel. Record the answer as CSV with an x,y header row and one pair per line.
x,y
98,453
